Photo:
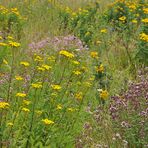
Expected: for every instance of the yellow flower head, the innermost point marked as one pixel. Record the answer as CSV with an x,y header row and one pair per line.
x,y
19,78
59,107
9,124
79,96
26,102
144,37
21,95
94,54
56,87
100,68
14,44
145,20
3,44
123,18
37,85
4,105
103,30
25,109
77,72
47,121
66,54
104,94
26,64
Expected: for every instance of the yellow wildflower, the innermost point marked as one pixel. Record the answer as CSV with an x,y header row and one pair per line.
x,y
103,30
19,78
10,37
26,64
144,37
94,54
66,54
56,87
3,44
4,105
79,96
40,68
14,44
123,18
21,95
1,37
39,112
5,61
26,102
37,85
47,121
70,109
134,21
46,67
145,20
77,72
25,109
100,68
38,58
76,62
145,10
9,124
104,94
59,106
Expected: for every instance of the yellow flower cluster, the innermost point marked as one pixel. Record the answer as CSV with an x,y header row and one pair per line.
x,y
19,78
25,109
100,68
56,87
79,96
14,44
123,18
37,85
26,64
4,105
66,54
94,54
47,121
104,94
43,67
21,95
144,37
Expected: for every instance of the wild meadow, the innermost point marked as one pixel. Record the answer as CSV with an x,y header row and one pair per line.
x,y
73,74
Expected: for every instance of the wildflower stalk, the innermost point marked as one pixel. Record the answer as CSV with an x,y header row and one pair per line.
x,y
32,118
10,77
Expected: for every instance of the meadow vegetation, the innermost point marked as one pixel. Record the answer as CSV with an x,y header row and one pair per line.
x,y
73,73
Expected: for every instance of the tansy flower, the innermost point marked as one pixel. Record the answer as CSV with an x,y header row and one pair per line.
x,y
94,54
46,67
134,21
40,68
25,109
9,124
3,44
103,30
26,64
10,37
21,95
38,58
145,10
14,44
19,78
39,112
144,37
4,105
123,18
66,54
59,106
104,94
79,96
56,87
26,102
76,62
77,72
145,20
100,68
47,121
36,85
5,61
70,109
